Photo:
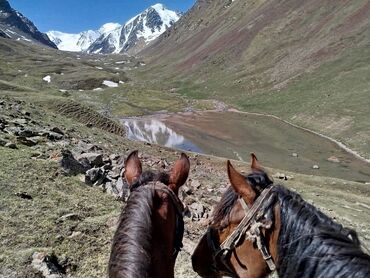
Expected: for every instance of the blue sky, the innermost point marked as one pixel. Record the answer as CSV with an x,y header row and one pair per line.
x,y
73,16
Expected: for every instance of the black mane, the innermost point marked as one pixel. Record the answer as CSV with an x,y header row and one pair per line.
x,y
131,254
311,244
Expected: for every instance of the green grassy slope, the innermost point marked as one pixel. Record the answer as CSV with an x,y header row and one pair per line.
x,y
305,61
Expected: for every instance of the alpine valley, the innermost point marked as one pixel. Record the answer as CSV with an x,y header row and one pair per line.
x,y
288,80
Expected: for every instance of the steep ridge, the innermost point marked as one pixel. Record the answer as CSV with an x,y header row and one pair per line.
x,y
16,26
305,61
278,33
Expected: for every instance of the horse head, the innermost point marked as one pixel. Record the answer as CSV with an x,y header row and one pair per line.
x,y
149,235
242,237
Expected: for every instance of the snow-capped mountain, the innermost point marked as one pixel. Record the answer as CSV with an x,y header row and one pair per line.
x,y
138,32
16,26
130,37
73,42
82,41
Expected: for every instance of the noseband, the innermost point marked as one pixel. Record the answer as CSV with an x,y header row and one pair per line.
x,y
248,229
179,208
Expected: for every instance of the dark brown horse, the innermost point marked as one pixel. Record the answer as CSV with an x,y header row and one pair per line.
x,y
259,226
150,230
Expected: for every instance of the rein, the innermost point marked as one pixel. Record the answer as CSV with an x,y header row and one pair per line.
x,y
249,227
179,230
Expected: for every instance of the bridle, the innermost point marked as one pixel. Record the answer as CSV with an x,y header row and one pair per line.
x,y
248,229
179,208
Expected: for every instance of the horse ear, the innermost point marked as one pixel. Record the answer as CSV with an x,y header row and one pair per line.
x,y
255,165
240,184
179,173
133,167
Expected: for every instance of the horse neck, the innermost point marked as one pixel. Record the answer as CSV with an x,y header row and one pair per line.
x,y
132,242
164,219
310,244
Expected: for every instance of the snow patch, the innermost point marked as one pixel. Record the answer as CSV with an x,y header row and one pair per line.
x,y
110,84
47,79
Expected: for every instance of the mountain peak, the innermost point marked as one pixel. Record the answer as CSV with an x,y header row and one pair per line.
x,y
18,27
158,6
131,37
109,27
5,6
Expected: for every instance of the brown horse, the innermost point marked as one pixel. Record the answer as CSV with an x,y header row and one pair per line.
x,y
150,230
258,227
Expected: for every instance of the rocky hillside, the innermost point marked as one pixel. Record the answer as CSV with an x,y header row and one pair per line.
x,y
305,61
283,38
70,175
16,26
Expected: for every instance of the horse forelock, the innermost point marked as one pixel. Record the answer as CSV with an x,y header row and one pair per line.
x,y
150,176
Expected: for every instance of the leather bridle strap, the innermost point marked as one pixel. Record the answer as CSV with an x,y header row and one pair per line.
x,y
252,214
179,232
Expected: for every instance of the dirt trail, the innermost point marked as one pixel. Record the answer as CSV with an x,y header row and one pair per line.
x,y
338,143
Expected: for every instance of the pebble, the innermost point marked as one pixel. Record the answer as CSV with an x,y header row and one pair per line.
x,y
69,216
11,145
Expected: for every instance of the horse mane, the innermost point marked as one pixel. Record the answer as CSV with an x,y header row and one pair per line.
x,y
131,254
311,244
258,180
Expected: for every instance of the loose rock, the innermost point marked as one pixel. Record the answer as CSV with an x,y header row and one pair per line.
x,y
334,159
70,165
93,175
94,159
197,210
69,216
195,184
53,136
57,130
47,265
11,145
26,141
24,195
2,142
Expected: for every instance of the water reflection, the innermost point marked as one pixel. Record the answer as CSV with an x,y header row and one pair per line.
x,y
156,132
235,136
